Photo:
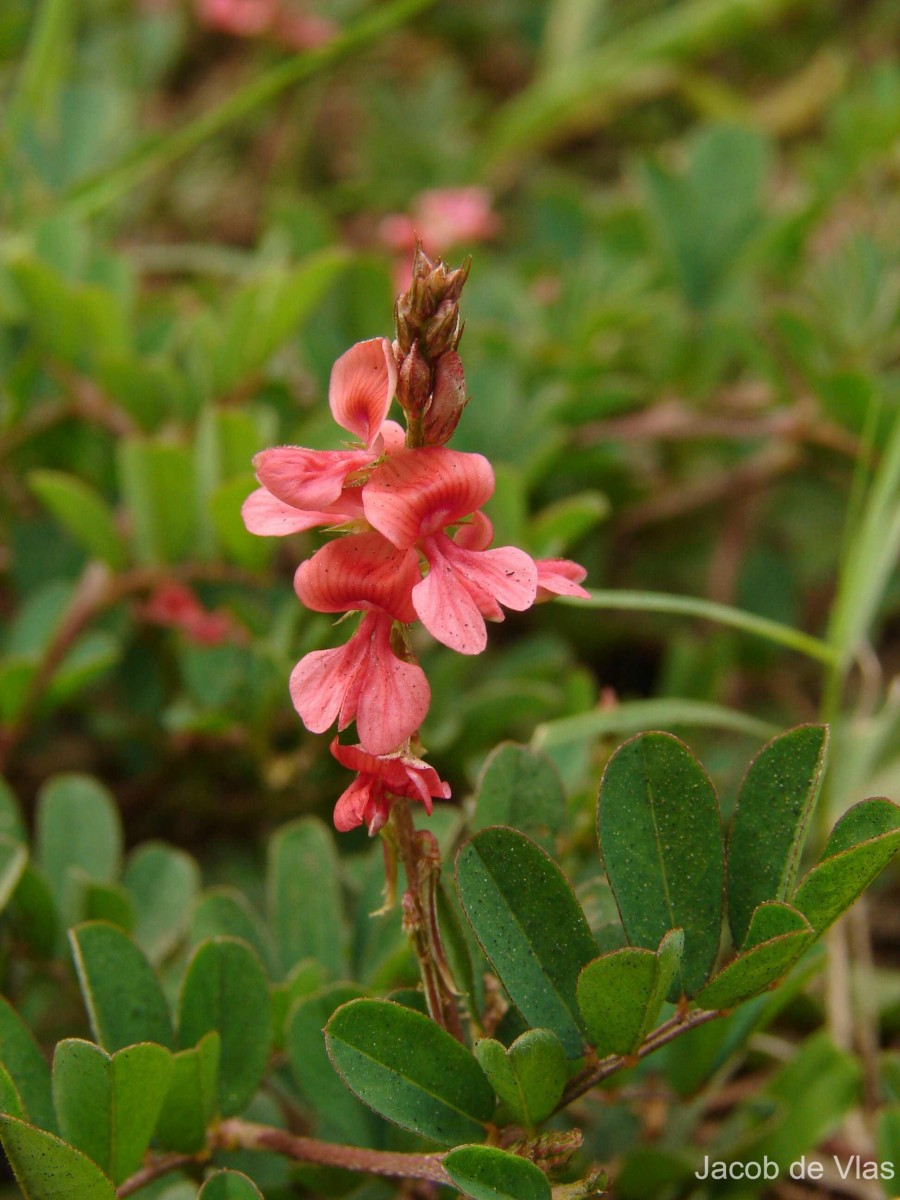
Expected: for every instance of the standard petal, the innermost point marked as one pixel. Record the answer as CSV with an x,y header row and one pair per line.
x,y
363,382
362,571
476,534
559,577
393,699
321,681
268,516
310,479
416,492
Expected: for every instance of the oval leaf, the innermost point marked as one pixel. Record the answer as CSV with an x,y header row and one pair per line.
x,y
661,840
77,830
861,845
521,788
304,895
229,1185
124,1000
409,1070
49,1169
486,1173
225,989
529,1077
530,926
775,803
27,1067
777,937
162,883
192,1099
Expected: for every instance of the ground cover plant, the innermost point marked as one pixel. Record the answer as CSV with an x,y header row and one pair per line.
x,y
334,338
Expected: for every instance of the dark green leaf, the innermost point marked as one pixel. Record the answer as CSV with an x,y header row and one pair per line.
x,y
620,994
486,1173
108,1105
304,895
861,845
529,1077
192,1099
162,883
34,912
520,788
27,1067
124,1000
105,902
769,825
229,1185
409,1070
225,989
13,860
529,925
661,841
82,511
12,823
777,936
77,829
48,1169
226,912
10,1100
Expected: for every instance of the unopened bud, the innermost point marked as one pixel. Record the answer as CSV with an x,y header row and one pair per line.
x,y
414,383
448,401
442,331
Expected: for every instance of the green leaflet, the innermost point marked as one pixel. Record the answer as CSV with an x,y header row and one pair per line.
x,y
124,1000
486,1173
304,896
769,825
861,845
229,1185
529,1077
162,883
77,829
521,788
530,926
777,937
192,1099
108,1105
620,994
409,1070
225,989
661,841
13,861
83,512
49,1169
27,1068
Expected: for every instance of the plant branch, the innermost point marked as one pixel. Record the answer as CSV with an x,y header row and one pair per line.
x,y
153,1170
235,1134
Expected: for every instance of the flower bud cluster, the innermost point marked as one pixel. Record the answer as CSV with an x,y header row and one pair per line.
x,y
411,544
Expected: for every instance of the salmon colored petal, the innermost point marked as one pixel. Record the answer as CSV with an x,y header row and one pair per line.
x,y
394,697
417,492
362,571
321,681
363,803
268,516
363,382
310,479
448,611
476,534
559,577
391,438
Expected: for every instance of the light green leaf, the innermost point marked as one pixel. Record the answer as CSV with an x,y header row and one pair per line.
x,y
77,829
410,1070
770,820
192,1099
661,840
486,1173
529,925
226,912
48,1169
620,994
520,788
83,512
10,1101
304,895
225,989
559,525
777,936
124,1000
27,1067
861,845
529,1077
13,861
157,482
108,1105
162,883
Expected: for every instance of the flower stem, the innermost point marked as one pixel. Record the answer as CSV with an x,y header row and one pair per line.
x,y
421,860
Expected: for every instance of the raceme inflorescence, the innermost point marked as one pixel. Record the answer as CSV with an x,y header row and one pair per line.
x,y
410,543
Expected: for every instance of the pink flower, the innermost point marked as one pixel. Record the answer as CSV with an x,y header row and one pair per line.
x,y
439,218
368,799
411,498
246,18
559,577
176,606
363,681
304,31
301,488
359,572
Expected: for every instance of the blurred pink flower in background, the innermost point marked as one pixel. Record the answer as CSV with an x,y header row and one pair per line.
x,y
440,219
175,606
288,24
